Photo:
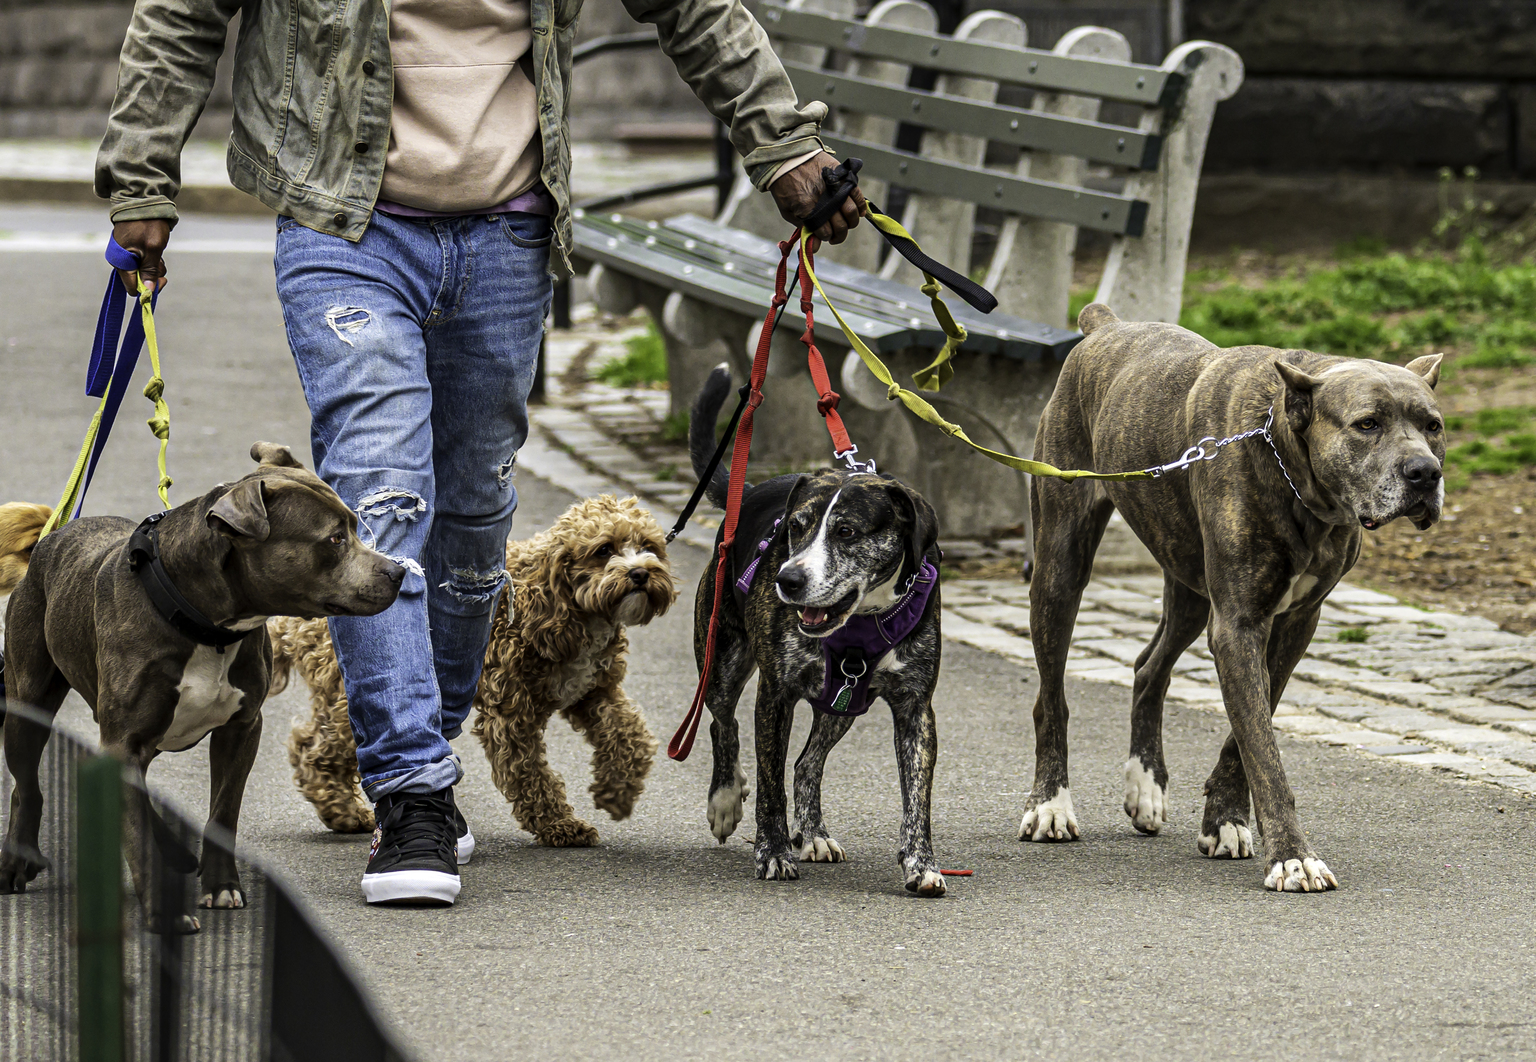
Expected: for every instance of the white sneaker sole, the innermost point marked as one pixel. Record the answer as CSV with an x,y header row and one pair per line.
x,y
466,847
411,886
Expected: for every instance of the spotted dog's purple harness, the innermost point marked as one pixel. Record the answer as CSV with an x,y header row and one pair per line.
x,y
846,652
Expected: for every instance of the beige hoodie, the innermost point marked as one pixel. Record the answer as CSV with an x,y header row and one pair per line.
x,y
464,132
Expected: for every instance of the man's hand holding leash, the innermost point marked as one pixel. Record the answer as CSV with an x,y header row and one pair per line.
x,y
147,239
798,192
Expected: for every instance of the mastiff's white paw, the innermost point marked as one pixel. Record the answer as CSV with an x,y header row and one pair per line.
x,y
1232,841
1301,875
224,900
1053,820
821,850
727,806
1144,801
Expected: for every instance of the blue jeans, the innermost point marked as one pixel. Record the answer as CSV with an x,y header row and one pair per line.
x,y
416,347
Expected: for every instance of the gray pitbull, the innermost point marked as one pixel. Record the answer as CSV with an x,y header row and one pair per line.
x,y
1251,541
89,615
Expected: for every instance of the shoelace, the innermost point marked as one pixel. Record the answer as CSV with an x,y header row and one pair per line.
x,y
415,828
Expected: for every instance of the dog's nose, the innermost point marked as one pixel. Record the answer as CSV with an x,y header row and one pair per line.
x,y
791,579
1422,471
395,573
639,576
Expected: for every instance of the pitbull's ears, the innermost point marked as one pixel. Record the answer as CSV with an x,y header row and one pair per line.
x,y
241,512
1428,367
1298,394
265,453
923,526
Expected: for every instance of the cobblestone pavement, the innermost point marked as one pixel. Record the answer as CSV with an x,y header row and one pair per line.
x,y
1450,693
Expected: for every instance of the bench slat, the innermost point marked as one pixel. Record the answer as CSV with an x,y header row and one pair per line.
x,y
1134,83
689,254
1097,141
1104,211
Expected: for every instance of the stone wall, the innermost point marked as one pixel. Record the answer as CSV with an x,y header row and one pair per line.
x,y
1375,86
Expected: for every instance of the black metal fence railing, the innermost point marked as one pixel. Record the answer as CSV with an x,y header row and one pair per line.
x,y
97,970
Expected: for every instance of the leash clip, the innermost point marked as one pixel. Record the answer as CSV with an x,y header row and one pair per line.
x,y
855,466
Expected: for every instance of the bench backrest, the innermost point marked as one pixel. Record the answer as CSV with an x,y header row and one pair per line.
x,y
1070,162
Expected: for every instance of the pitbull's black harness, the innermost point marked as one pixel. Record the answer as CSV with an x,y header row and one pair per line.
x,y
174,608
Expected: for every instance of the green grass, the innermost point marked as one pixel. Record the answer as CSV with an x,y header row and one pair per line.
x,y
1351,634
645,362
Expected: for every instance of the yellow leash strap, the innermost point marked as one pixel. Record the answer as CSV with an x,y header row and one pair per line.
x,y
940,371
159,424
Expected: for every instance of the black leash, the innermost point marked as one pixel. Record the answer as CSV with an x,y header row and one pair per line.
x,y
726,439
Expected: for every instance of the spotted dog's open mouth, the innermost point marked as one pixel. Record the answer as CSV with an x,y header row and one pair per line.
x,y
822,621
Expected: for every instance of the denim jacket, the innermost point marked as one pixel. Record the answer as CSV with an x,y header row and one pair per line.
x,y
313,89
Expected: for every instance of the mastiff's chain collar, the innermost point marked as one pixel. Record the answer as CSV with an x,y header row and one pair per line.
x,y
1199,452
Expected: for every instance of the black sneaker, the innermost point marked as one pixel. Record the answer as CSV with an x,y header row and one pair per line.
x,y
466,842
413,858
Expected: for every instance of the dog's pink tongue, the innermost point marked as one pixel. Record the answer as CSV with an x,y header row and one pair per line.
x,y
813,617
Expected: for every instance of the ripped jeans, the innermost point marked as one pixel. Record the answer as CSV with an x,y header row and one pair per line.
x,y
416,347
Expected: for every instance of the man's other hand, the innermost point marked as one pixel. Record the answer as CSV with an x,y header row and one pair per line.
x,y
797,192
147,238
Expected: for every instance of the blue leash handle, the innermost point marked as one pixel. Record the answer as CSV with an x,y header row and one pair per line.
x,y
109,367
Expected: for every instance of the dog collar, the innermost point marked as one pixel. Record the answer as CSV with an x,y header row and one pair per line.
x,y
865,638
174,608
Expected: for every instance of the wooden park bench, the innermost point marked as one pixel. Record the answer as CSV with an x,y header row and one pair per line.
x,y
708,283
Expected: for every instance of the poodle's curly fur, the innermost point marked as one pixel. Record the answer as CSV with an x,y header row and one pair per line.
x,y
559,647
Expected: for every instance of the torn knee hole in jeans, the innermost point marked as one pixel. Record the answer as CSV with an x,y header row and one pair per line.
x,y
471,587
387,503
347,319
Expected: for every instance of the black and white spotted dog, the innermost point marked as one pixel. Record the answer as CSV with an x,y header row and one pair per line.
x,y
835,601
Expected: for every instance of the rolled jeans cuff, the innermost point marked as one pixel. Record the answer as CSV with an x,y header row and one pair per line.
x,y
428,779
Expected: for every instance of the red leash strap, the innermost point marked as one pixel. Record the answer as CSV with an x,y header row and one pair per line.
x,y
682,741
826,398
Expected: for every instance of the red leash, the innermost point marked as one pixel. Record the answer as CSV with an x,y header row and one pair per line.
x,y
826,404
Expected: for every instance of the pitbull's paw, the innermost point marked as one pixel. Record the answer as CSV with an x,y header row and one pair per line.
x,y
727,806
226,899
19,866
617,800
924,879
176,925
347,816
775,862
571,833
1052,820
1307,874
1144,801
1233,840
822,849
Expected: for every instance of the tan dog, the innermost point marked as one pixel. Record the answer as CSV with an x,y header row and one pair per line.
x,y
20,525
559,647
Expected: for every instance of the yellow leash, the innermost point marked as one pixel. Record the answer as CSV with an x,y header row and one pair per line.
x,y
159,424
940,371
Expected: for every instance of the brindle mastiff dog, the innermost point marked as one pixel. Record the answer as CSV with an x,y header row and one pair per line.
x,y
278,542
1250,542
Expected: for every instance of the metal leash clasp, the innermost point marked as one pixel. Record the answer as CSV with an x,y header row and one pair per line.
x,y
855,466
1195,453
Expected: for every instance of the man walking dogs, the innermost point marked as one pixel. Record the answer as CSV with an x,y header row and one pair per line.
x,y
417,154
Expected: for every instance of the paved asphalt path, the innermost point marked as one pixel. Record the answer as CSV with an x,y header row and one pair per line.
x,y
659,944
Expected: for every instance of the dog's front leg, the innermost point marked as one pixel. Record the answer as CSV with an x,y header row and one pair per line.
x,y
231,752
917,749
810,832
513,738
1239,644
728,789
622,748
774,855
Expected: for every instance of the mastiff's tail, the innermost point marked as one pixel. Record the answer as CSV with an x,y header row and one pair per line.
x,y
1095,316
701,432
20,525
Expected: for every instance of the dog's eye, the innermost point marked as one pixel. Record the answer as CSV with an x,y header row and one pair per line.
x,y
603,552
337,539
844,531
1367,424
1432,427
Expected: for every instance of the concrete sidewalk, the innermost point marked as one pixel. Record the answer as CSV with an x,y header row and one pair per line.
x,y
659,944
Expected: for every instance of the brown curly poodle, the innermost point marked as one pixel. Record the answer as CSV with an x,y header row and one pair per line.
x,y
560,646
